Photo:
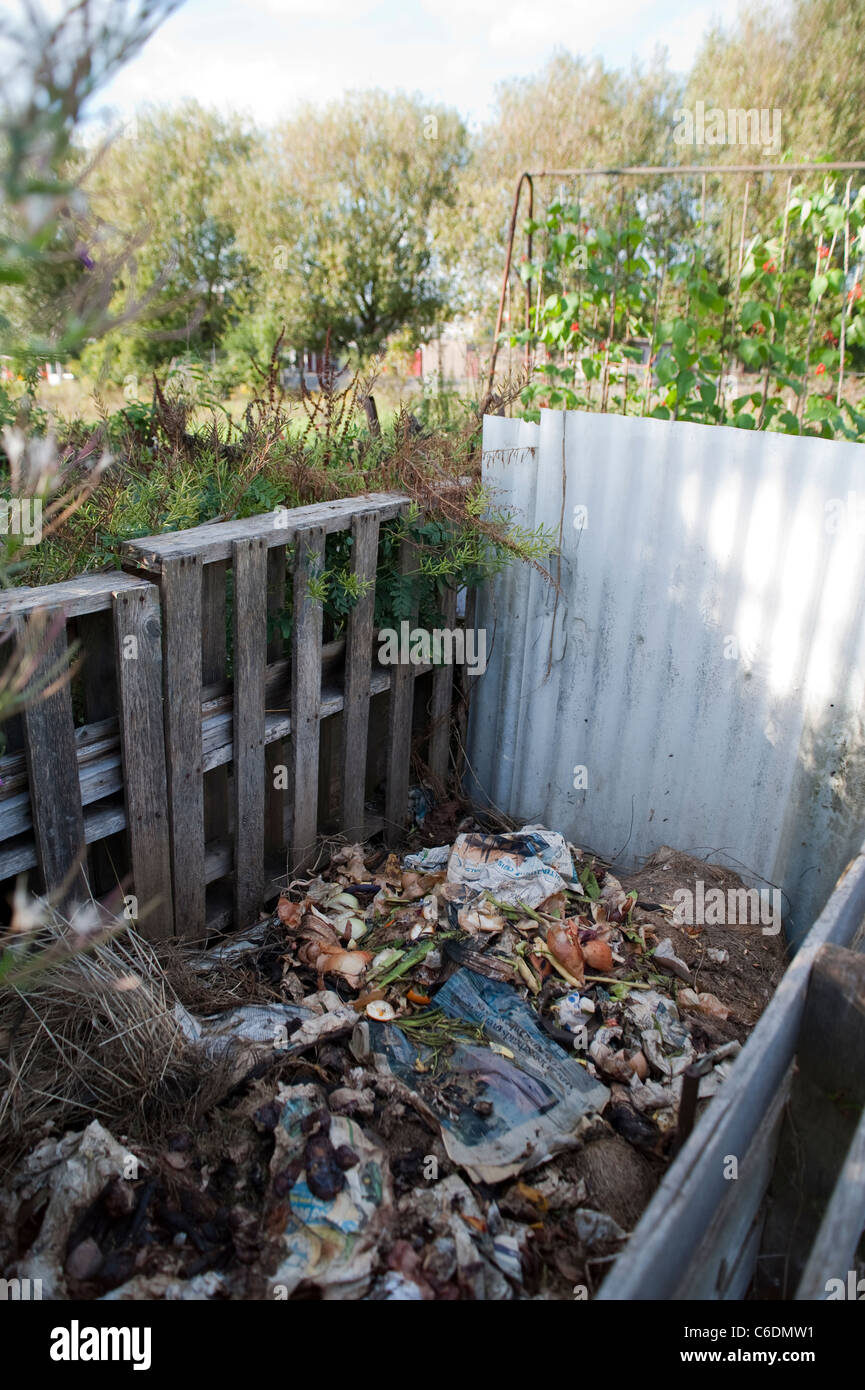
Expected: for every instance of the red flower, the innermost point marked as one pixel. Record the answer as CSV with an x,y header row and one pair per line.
x,y
823,252
524,258
829,337
821,369
770,266
855,293
575,327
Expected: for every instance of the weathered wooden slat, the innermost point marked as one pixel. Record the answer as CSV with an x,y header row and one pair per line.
x,y
91,740
250,661
213,669
826,1099
55,798
97,778
276,805
100,821
441,702
399,729
138,647
305,698
94,632
358,664
214,541
89,593
834,1250
181,607
463,692
715,1269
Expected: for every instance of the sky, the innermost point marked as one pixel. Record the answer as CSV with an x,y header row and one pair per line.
x,y
264,57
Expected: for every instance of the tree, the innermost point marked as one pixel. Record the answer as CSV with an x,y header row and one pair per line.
x,y
169,187
52,67
346,222
572,114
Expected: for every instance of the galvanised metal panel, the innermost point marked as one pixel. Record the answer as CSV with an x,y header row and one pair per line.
x,y
704,657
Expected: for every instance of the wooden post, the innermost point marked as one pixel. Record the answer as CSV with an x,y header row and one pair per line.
x,y
213,668
399,729
277,807
250,661
440,706
826,1102
95,634
181,599
358,670
305,698
52,764
138,652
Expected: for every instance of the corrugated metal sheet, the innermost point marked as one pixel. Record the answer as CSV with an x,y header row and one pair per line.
x,y
704,660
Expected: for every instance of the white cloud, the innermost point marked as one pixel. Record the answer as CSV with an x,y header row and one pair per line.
x,y
266,56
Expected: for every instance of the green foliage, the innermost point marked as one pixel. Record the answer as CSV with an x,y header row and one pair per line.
x,y
784,317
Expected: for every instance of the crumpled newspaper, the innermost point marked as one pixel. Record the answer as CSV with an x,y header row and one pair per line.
x,y
330,1216
535,1098
520,867
65,1176
251,1033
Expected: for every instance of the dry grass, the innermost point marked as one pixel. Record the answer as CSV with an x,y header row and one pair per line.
x,y
87,1027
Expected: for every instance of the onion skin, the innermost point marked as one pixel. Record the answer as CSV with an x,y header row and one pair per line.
x,y
566,950
638,1064
598,955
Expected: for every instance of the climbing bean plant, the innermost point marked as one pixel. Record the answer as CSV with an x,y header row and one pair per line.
x,y
626,319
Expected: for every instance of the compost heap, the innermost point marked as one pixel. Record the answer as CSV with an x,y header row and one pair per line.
x,y
454,1074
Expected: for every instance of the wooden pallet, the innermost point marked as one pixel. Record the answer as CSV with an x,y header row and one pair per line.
x,y
209,790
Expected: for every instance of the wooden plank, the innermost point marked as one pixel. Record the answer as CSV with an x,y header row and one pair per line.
x,y
691,1189
250,661
441,705
715,1269
214,541
276,806
834,1250
826,1100
213,670
91,740
463,686
358,670
305,699
399,729
97,778
95,633
138,646
55,799
181,610
100,821
89,593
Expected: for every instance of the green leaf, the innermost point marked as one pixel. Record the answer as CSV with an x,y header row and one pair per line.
x,y
590,883
665,370
818,287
